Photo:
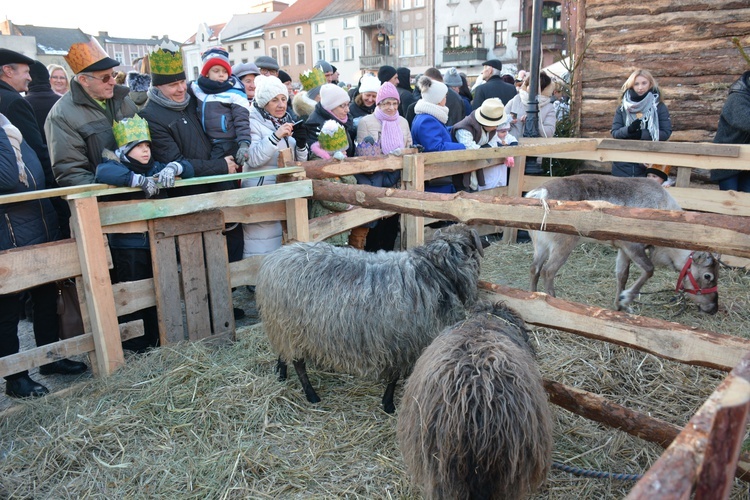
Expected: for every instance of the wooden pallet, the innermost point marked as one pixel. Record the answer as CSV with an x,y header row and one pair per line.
x,y
189,257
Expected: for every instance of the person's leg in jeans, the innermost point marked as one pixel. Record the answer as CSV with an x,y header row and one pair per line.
x,y
18,384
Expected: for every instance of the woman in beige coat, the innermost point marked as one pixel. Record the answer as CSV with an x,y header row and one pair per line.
x,y
383,132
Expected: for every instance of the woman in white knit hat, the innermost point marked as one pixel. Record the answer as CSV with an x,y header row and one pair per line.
x,y
364,101
272,130
333,105
429,130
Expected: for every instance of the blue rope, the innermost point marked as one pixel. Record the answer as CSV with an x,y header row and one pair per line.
x,y
596,474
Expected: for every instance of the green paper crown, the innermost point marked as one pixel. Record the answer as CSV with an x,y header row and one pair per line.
x,y
338,141
312,78
165,62
131,129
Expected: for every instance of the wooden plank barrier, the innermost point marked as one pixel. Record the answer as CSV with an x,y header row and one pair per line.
x,y
203,272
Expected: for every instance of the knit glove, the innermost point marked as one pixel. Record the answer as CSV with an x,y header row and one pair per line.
x,y
634,129
299,134
166,176
147,184
243,154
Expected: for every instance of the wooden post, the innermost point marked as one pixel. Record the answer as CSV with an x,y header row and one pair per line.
x,y
412,179
100,300
515,188
683,177
297,218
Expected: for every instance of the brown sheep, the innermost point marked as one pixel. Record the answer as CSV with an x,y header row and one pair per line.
x,y
474,420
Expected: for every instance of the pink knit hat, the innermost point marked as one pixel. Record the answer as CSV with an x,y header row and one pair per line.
x,y
387,91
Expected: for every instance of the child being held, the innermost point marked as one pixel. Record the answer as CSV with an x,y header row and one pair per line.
x,y
132,165
223,107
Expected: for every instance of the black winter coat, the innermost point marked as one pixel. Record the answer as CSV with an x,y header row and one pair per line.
x,y
734,121
42,98
494,87
178,135
316,120
29,222
20,113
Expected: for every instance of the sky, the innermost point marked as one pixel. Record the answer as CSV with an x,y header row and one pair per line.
x,y
161,17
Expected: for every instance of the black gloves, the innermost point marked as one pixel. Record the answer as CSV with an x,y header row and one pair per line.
x,y
299,133
634,129
483,146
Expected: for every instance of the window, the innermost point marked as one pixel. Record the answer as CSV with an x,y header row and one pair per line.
x,y
419,45
501,33
320,27
298,30
285,55
321,49
230,48
418,3
350,22
231,62
275,53
349,48
256,44
301,53
118,57
272,35
243,46
334,49
283,33
244,60
196,73
551,15
475,35
405,4
452,39
406,43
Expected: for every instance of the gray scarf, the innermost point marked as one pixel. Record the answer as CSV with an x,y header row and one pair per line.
x,y
154,94
645,109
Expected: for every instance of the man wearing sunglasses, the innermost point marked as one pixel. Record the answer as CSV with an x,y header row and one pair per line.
x,y
79,125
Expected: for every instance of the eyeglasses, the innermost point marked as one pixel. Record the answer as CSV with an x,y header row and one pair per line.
x,y
266,72
388,104
103,79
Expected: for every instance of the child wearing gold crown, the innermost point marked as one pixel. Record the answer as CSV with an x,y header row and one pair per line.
x,y
223,107
132,165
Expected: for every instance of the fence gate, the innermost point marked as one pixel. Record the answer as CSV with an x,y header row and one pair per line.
x,y
189,258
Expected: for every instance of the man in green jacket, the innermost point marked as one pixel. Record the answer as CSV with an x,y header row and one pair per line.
x,y
79,126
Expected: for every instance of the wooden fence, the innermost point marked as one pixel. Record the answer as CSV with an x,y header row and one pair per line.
x,y
193,224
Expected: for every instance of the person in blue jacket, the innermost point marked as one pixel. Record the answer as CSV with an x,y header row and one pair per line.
x,y
21,224
132,165
428,128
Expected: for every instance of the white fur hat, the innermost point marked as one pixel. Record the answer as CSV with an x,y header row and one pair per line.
x,y
369,83
268,87
432,90
332,96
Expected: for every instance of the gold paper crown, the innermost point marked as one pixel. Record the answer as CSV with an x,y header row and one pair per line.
x,y
165,62
312,78
130,130
82,55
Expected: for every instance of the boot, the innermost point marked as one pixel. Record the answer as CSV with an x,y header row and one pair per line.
x,y
24,387
357,237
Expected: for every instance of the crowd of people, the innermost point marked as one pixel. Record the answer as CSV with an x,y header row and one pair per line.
x,y
61,130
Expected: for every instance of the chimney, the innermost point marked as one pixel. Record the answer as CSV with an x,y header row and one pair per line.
x,y
104,34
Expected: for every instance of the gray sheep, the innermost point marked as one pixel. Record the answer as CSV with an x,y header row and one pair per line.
x,y
366,314
475,420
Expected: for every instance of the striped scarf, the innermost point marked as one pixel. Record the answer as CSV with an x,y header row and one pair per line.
x,y
643,107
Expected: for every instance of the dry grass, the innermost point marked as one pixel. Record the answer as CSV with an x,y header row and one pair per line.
x,y
195,421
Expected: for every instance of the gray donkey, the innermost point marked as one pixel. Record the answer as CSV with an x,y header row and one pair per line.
x,y
699,271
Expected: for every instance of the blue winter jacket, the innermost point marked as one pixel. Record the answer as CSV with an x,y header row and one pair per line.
x,y
432,135
28,222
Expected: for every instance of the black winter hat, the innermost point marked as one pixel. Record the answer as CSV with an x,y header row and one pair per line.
x,y
39,77
13,57
495,63
284,76
404,78
385,73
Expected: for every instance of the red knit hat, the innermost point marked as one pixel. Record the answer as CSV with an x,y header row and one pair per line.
x,y
215,56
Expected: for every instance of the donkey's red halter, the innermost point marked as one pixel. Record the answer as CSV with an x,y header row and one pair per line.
x,y
696,290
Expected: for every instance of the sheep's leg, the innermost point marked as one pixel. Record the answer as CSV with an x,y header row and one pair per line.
x,y
541,252
637,253
388,405
622,270
299,366
561,246
281,369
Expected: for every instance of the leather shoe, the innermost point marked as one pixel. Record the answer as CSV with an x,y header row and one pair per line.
x,y
24,387
63,367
